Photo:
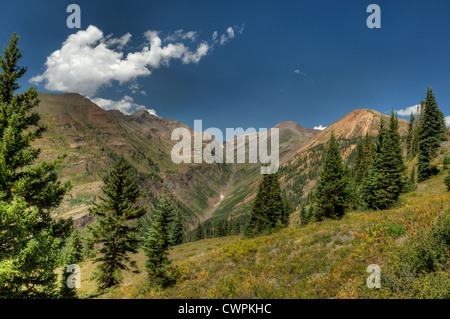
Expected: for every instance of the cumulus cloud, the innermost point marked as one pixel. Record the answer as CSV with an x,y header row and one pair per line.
x,y
119,42
227,36
126,105
320,127
447,121
407,111
88,60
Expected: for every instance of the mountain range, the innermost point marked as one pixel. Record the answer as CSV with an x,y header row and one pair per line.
x,y
93,138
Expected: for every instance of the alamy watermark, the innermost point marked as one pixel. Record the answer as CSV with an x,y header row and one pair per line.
x,y
238,141
74,19
374,280
74,279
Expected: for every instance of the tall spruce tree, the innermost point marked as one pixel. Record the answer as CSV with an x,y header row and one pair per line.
x,y
116,229
157,244
410,136
30,238
198,233
364,159
358,160
219,229
177,230
73,255
269,209
430,136
416,129
384,182
332,189
236,227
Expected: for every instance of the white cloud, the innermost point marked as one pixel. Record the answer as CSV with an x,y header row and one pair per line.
x,y
126,105
320,127
299,72
230,33
120,42
181,35
447,121
224,38
88,60
407,111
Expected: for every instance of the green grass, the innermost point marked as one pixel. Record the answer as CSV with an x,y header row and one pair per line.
x,y
179,253
320,260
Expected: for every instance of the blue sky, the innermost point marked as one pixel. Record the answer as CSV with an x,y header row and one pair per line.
x,y
249,80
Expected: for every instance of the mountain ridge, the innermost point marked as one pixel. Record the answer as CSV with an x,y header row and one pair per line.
x,y
93,138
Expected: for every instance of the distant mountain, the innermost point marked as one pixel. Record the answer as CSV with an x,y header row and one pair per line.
x,y
300,173
93,139
242,190
301,155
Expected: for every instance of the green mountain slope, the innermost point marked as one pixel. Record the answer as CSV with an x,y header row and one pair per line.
x,y
93,139
325,259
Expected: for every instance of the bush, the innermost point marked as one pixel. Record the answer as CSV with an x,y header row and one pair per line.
x,y
419,268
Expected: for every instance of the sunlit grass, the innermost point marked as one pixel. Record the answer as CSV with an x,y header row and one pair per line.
x,y
321,260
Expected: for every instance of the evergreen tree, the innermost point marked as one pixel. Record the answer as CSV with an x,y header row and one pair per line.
x,y
430,137
219,230
364,159
409,137
305,215
177,230
198,233
358,160
115,228
157,244
74,255
384,182
269,210
236,228
413,176
30,238
416,129
331,193
75,247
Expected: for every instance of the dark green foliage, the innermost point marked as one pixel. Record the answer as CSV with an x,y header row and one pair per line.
x,y
89,250
446,162
416,130
413,175
73,255
157,244
306,215
331,193
384,182
424,259
269,210
431,135
177,230
115,229
198,233
363,160
30,238
353,194
236,228
220,230
410,136
358,159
